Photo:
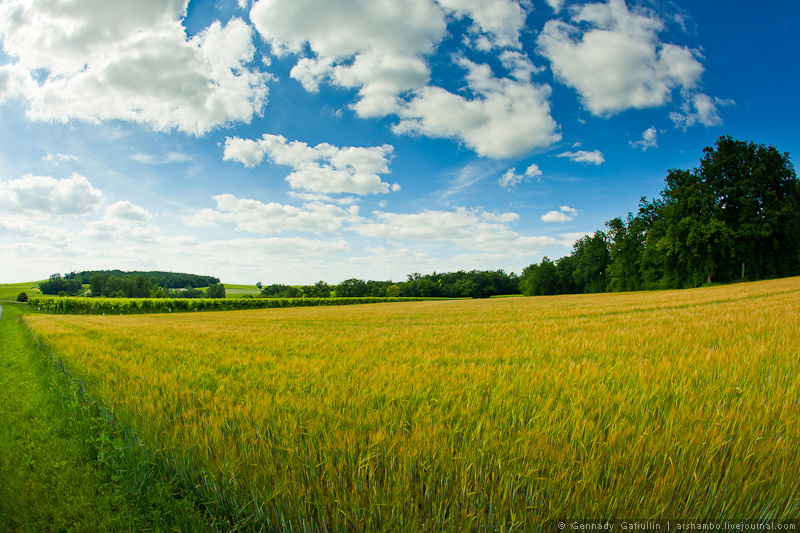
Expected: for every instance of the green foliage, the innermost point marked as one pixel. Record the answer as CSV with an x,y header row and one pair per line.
x,y
56,284
591,259
351,287
320,290
168,280
541,279
22,297
472,284
127,306
735,217
216,290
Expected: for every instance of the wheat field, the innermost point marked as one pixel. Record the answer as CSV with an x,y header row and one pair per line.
x,y
482,415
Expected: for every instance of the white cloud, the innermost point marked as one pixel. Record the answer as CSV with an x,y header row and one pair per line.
x,y
265,249
569,239
471,229
512,179
124,222
127,211
594,157
378,47
496,24
46,195
618,62
323,168
15,81
699,108
58,158
507,118
555,4
565,214
520,67
381,78
131,61
649,140
381,48
24,227
262,218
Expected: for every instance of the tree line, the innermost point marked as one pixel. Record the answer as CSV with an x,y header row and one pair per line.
x,y
118,284
461,284
166,280
736,217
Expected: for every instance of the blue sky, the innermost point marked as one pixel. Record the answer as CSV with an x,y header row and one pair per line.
x,y
288,141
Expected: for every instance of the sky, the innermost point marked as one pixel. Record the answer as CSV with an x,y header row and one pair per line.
x,y
292,141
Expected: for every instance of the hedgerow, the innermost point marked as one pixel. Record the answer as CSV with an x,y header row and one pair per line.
x,y
130,306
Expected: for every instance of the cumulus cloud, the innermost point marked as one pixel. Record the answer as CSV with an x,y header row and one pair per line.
x,y
46,195
323,168
613,57
512,179
594,157
378,47
472,229
564,214
496,24
649,140
507,118
27,227
125,210
124,222
15,81
131,61
262,218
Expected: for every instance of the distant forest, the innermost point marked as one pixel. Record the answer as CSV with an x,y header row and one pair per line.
x,y
134,284
736,217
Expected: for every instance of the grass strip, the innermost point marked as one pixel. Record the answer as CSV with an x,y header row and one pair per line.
x,y
64,466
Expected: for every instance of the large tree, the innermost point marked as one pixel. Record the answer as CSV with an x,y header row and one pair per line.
x,y
757,197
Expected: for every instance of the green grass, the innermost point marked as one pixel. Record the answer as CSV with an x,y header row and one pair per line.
x,y
241,287
47,479
239,291
10,291
62,466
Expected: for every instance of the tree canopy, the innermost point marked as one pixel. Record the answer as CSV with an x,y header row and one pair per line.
x,y
735,217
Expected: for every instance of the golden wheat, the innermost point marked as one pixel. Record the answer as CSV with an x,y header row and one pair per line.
x,y
465,415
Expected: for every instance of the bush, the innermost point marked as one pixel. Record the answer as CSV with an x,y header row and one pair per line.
x,y
22,297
